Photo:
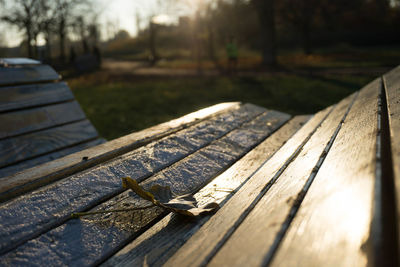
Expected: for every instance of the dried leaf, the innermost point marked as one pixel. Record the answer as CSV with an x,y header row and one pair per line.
x,y
163,197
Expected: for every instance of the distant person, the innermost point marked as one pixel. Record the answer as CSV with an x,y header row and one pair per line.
x,y
232,53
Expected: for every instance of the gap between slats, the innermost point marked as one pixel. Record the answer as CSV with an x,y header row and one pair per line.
x,y
187,250
73,123
46,128
37,106
297,202
384,227
34,95
26,164
29,121
51,151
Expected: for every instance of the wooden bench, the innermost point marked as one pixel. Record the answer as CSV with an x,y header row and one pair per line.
x,y
39,117
317,190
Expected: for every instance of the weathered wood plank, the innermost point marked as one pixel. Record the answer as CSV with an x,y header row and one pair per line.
x,y
12,169
270,214
43,209
334,221
158,243
392,90
209,239
18,61
13,150
187,175
23,96
27,74
26,121
57,169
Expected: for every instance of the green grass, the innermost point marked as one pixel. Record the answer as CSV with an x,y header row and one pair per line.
x,y
118,106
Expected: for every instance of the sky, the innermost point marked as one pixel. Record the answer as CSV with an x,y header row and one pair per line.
x,y
117,14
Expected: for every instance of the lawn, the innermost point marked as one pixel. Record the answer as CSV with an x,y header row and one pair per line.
x,y
118,105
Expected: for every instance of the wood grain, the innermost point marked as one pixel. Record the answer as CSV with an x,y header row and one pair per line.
x,y
270,213
24,96
392,90
13,150
23,74
202,244
26,121
187,175
158,243
336,214
40,175
43,209
12,169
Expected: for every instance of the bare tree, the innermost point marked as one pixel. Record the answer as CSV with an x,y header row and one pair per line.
x,y
47,22
138,19
62,17
25,14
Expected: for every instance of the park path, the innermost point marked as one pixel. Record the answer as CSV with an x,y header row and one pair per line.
x,y
142,68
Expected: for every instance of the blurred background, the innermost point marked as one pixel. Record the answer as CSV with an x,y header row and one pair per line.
x,y
135,63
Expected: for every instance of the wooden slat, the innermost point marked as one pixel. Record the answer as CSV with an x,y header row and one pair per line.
x,y
270,213
270,180
159,242
24,96
10,170
27,74
13,150
18,61
54,170
334,221
392,90
80,240
43,209
26,121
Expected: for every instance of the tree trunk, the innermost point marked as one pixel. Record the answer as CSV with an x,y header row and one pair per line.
x,y
62,40
48,47
266,15
35,47
29,40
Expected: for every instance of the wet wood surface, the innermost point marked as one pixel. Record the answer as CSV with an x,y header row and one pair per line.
x,y
139,164
222,148
57,169
160,242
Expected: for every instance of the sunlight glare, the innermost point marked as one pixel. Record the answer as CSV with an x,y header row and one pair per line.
x,y
162,19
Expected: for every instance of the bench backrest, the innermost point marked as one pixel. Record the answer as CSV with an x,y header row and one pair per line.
x,y
39,118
